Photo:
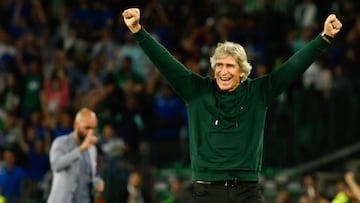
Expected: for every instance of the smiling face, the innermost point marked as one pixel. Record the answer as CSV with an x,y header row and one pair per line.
x,y
228,73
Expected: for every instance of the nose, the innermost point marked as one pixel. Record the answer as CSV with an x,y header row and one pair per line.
x,y
223,71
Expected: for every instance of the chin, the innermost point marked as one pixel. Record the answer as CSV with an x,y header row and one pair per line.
x,y
225,88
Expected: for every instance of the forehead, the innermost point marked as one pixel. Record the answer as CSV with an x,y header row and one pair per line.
x,y
88,121
226,59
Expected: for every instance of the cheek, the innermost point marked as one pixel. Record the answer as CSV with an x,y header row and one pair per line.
x,y
236,80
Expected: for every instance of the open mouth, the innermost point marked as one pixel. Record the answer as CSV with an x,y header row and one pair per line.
x,y
223,78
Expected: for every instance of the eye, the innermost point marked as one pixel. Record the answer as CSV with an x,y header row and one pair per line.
x,y
232,66
218,65
88,128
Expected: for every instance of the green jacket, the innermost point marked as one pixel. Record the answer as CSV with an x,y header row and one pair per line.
x,y
226,128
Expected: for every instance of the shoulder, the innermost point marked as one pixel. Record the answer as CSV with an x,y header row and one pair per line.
x,y
65,140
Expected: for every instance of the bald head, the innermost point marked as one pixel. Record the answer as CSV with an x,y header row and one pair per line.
x,y
85,124
84,114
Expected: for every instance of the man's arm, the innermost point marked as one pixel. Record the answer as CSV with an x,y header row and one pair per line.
x,y
179,77
291,70
354,186
59,157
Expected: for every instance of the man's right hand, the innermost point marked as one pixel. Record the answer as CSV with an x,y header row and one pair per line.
x,y
132,19
89,141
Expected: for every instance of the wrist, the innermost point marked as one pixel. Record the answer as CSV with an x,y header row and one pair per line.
x,y
327,38
135,29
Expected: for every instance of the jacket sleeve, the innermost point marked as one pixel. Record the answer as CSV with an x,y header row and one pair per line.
x,y
292,69
60,157
181,79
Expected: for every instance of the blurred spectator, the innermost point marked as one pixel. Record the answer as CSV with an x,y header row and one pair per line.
x,y
305,14
348,10
311,192
176,185
128,78
169,119
10,132
63,123
37,120
102,15
106,45
33,85
93,91
168,109
11,95
111,143
341,85
353,50
37,157
11,178
180,191
29,53
342,193
156,17
132,53
20,16
37,164
283,196
342,94
131,127
7,46
299,39
134,192
114,168
318,77
113,101
38,17
82,19
56,94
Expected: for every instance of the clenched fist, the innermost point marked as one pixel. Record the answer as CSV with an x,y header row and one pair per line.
x,y
332,25
89,141
131,18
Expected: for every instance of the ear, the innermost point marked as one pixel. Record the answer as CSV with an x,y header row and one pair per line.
x,y
242,74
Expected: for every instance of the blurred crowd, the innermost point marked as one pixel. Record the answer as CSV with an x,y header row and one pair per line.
x,y
57,56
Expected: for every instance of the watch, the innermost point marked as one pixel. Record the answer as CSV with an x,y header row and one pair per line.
x,y
326,37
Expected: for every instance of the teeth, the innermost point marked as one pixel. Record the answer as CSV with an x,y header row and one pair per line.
x,y
225,78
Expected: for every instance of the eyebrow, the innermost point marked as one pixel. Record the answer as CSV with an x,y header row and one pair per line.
x,y
225,64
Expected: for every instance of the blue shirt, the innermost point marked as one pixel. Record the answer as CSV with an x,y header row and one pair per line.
x,y
10,182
